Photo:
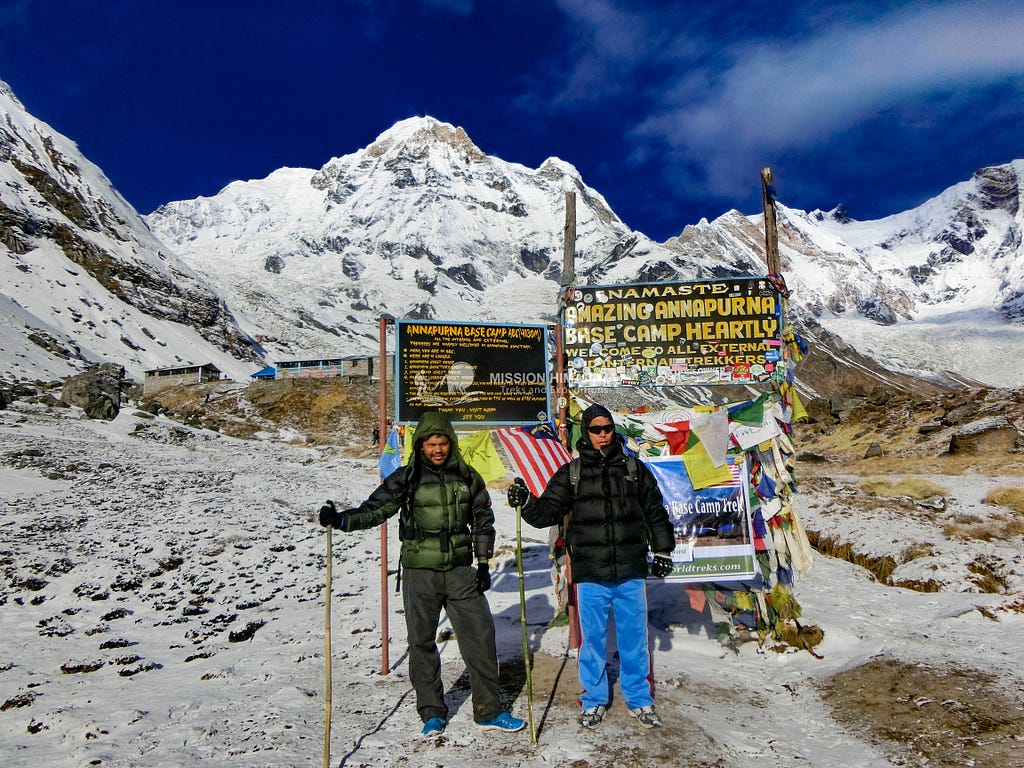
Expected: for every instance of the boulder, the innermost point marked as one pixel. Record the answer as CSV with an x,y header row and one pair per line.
x,y
985,436
961,413
97,391
819,411
874,450
880,395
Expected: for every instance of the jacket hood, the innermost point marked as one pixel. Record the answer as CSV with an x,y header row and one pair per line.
x,y
434,423
583,444
593,412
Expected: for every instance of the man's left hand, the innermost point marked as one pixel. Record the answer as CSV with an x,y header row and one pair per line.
x,y
662,565
483,577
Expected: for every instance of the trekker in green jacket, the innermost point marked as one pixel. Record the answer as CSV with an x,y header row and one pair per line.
x,y
445,520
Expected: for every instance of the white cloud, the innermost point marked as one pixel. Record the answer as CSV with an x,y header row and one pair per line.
x,y
776,96
605,44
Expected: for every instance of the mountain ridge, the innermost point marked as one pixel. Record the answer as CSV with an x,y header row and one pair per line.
x,y
457,233
423,224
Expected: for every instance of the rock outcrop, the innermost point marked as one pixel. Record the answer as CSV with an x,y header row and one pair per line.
x,y
97,391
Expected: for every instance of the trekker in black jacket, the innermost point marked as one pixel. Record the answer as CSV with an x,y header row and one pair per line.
x,y
446,519
616,515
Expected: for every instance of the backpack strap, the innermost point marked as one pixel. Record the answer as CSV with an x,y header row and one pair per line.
x,y
632,472
407,528
632,469
574,475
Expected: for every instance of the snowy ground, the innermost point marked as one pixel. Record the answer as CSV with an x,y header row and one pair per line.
x,y
163,605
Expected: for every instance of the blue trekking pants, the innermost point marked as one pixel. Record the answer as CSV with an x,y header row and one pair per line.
x,y
627,603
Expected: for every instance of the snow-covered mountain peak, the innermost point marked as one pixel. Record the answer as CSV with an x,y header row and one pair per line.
x,y
7,93
421,223
416,135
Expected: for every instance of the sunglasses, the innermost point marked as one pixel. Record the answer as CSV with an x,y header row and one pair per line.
x,y
602,429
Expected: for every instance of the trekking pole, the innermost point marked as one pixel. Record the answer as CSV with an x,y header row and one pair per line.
x,y
327,641
522,621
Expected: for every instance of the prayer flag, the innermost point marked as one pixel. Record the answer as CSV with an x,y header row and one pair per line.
x,y
713,430
750,412
391,457
479,452
677,433
702,471
536,453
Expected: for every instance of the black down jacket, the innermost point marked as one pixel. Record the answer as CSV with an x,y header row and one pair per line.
x,y
614,520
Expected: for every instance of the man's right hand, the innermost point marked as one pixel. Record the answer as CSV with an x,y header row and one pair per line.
x,y
518,495
330,516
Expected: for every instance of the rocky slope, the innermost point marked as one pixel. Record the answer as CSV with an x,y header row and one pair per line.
x,y
84,280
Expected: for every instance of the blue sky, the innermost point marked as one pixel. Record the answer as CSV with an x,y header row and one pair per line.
x,y
668,109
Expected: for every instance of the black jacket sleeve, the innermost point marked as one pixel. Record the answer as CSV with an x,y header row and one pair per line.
x,y
554,504
382,504
483,518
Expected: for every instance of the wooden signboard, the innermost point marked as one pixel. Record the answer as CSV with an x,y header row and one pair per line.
x,y
725,331
487,374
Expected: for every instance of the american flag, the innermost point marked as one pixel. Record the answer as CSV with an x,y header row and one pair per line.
x,y
536,453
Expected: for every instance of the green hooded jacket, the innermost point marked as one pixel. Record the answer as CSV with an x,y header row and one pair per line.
x,y
449,517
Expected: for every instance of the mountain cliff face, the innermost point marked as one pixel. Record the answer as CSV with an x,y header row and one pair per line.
x,y
84,280
420,224
423,224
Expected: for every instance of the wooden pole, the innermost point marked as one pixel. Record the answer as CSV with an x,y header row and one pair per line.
x,y
328,683
568,280
385,629
771,230
569,240
527,666
561,394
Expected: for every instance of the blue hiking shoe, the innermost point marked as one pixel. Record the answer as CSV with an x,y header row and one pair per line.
x,y
434,726
503,722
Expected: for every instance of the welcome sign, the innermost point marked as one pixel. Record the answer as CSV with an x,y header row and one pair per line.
x,y
665,334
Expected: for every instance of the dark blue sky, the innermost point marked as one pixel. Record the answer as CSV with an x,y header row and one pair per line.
x,y
668,109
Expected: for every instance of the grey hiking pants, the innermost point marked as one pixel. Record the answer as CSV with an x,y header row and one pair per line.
x,y
424,594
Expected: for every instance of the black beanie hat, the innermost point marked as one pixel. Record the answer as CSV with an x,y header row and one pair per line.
x,y
592,413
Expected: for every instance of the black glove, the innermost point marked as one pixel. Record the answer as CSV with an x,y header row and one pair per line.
x,y
330,516
662,565
483,577
517,494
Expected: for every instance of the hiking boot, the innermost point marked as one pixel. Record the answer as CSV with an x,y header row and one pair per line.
x,y
433,727
646,716
592,717
503,722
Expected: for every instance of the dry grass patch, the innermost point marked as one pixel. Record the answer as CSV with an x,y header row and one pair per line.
x,y
986,574
918,549
905,462
998,527
881,567
1009,496
943,718
915,488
